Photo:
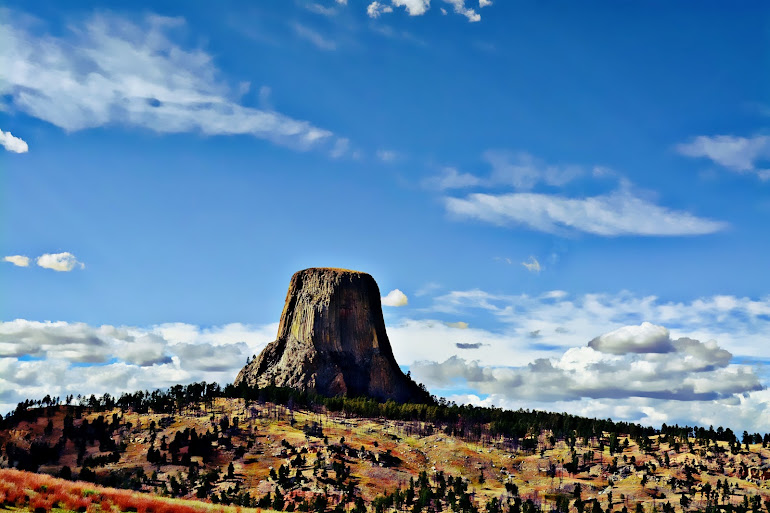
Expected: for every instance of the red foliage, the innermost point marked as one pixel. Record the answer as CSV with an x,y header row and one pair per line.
x,y
17,488
40,504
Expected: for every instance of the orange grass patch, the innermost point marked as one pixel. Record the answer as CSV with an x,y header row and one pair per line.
x,y
41,493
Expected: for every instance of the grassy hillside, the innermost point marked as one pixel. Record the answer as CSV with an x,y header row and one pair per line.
x,y
39,493
232,451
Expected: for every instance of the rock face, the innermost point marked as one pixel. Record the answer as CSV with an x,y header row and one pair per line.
x,y
332,341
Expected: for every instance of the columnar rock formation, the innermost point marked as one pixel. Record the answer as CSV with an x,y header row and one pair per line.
x,y
332,341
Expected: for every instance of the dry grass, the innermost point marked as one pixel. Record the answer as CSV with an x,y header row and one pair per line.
x,y
39,493
438,452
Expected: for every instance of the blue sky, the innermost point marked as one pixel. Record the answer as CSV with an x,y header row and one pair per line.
x,y
167,167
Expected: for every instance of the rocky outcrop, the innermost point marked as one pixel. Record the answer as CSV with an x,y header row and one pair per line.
x,y
332,341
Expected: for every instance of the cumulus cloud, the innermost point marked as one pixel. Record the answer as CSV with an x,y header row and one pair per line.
x,y
395,298
17,260
565,320
615,214
690,371
739,154
13,144
375,9
61,262
626,377
460,8
58,358
532,265
646,338
420,7
111,70
460,325
413,7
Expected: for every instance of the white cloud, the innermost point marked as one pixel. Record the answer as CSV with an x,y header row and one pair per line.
x,y
532,265
740,154
427,289
450,178
375,9
341,147
459,7
265,94
387,155
395,298
749,411
614,214
523,171
420,7
690,371
415,340
62,262
739,323
321,9
118,359
110,70
625,382
646,338
17,260
520,170
413,7
621,212
13,144
314,37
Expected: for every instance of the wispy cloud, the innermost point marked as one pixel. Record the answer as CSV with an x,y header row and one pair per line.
x,y
313,36
621,212
61,262
113,71
17,260
387,155
739,154
451,178
520,170
615,214
12,143
532,265
320,9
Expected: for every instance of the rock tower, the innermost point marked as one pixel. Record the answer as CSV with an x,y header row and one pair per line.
x,y
332,341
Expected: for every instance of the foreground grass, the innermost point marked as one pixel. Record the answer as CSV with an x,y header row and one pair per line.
x,y
39,493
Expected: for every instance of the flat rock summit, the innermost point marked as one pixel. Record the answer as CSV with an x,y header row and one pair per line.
x,y
332,341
